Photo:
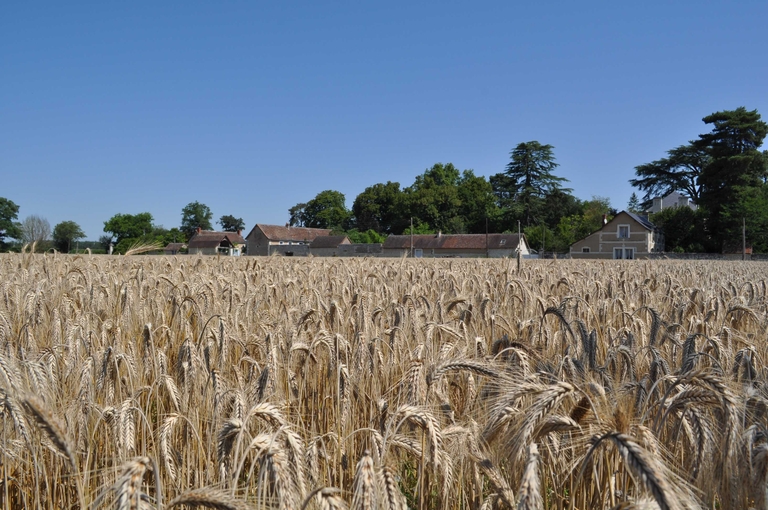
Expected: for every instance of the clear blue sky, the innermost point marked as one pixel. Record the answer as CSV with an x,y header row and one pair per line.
x,y
251,107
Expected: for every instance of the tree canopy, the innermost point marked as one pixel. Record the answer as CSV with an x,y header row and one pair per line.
x,y
679,171
528,179
231,224
724,172
129,226
65,233
9,227
195,215
326,210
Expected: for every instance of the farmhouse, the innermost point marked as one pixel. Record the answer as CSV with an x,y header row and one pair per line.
x,y
626,236
269,239
456,245
209,242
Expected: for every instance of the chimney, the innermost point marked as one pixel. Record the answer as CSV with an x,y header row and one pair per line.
x,y
605,219
240,232
199,230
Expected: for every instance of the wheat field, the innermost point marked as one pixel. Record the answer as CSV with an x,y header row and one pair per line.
x,y
229,383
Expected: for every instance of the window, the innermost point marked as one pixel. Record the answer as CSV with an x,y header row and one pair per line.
x,y
623,232
618,253
585,249
624,253
503,242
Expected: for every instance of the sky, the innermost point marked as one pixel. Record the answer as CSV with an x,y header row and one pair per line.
x,y
252,107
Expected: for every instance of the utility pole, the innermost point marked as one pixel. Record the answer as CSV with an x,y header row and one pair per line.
x,y
487,251
411,236
743,239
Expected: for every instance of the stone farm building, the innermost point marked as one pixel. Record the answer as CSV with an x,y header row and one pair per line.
x,y
209,242
626,236
456,245
266,240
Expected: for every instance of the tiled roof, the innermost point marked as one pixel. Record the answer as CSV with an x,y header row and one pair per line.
x,y
280,233
453,242
174,246
211,239
328,241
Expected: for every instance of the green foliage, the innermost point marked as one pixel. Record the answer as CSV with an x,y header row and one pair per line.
x,y
125,226
297,215
679,171
65,233
231,224
434,198
419,228
528,179
578,226
683,229
369,236
195,215
736,165
723,172
326,210
380,207
9,227
541,238
633,205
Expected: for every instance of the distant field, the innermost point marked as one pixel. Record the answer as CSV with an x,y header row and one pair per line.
x,y
148,382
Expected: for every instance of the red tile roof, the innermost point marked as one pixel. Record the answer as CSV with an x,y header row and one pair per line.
x,y
280,233
454,242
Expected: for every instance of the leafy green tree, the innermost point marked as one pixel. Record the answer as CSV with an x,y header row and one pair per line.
x,y
195,215
478,209
327,210
129,226
65,233
633,205
679,171
380,208
682,228
434,198
297,215
369,236
541,238
527,180
9,227
736,165
231,224
419,228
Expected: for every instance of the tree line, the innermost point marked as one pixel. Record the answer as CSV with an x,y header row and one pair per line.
x,y
722,171
725,174
527,195
123,232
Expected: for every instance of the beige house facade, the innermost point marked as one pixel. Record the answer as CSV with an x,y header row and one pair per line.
x,y
627,236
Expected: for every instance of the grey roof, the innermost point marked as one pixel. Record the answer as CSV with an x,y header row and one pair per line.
x,y
642,220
